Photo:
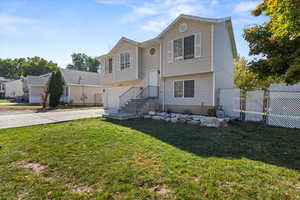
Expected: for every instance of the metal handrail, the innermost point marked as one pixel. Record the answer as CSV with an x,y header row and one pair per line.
x,y
148,92
128,94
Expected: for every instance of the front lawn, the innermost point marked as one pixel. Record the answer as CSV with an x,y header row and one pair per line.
x,y
6,100
146,159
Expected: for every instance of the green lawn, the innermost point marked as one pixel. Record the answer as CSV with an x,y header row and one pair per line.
x,y
147,159
6,100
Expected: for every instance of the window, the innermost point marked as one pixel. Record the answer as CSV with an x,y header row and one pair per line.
x,y
189,47
178,48
185,88
152,51
122,61
178,89
184,48
125,60
66,91
110,65
189,87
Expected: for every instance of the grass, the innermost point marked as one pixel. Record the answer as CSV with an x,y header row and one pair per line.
x,y
6,100
20,107
146,159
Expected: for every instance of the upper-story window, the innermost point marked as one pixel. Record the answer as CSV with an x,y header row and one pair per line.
x,y
125,60
184,48
178,49
110,65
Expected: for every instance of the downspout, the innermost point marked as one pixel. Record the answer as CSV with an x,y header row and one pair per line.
x,y
161,77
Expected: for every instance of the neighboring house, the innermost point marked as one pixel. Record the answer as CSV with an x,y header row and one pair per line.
x,y
34,88
183,67
2,86
80,88
14,89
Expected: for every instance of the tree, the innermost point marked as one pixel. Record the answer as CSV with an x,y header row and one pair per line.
x,y
55,88
83,62
247,80
15,68
284,16
276,43
38,66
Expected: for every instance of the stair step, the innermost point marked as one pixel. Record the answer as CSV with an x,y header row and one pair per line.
x,y
121,116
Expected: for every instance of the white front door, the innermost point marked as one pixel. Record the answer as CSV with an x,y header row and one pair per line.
x,y
153,78
153,83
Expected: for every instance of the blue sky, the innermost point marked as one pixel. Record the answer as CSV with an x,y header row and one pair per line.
x,y
54,29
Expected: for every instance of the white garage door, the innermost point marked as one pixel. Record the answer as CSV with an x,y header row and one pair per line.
x,y
112,96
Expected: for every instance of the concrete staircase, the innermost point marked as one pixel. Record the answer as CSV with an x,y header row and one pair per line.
x,y
135,102
140,106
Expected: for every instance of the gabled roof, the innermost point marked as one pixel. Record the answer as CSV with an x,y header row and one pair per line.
x,y
3,79
202,19
74,77
226,20
38,80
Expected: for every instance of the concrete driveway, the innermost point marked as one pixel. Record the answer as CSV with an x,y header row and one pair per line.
x,y
19,120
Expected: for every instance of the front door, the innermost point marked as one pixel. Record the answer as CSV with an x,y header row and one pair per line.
x,y
153,83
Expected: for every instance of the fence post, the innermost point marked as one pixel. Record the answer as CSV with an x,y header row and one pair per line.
x,y
266,105
243,97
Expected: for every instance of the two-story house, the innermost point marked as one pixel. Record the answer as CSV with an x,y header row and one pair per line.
x,y
183,66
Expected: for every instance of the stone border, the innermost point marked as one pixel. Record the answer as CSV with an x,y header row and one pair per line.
x,y
198,120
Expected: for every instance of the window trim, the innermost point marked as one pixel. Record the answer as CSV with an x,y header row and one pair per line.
x,y
183,88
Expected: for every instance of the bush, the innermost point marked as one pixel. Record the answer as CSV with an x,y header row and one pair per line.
x,y
211,112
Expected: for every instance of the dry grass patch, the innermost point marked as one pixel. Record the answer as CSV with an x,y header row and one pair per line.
x,y
34,167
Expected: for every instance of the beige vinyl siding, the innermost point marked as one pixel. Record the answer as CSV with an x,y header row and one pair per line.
x,y
223,58
150,62
203,93
93,95
201,64
14,89
117,74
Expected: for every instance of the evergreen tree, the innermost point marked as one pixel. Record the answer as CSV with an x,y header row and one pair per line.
x,y
55,88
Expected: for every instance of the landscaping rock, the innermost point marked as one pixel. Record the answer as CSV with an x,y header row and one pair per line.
x,y
168,119
147,116
174,120
155,117
151,113
193,122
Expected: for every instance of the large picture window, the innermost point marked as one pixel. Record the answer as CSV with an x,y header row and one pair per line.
x,y
184,88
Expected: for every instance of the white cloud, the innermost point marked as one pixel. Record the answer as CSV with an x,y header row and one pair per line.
x,y
112,1
10,24
145,11
10,19
246,6
214,2
156,14
153,25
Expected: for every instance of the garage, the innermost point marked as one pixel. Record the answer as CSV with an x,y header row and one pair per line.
x,y
112,95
